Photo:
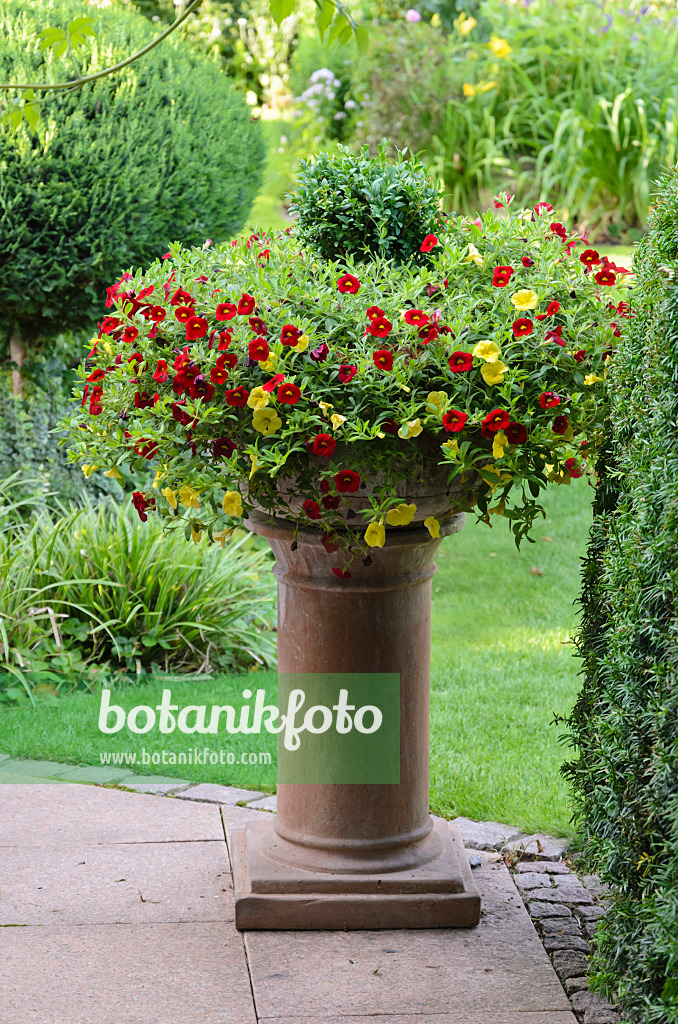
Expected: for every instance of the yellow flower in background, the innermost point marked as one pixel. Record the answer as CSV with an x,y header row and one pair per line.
x,y
401,515
525,299
336,420
436,402
493,373
255,466
412,428
325,406
88,470
592,378
469,90
188,496
160,475
375,535
258,399
451,447
500,48
266,421
196,534
302,344
463,24
474,256
499,442
487,350
169,496
269,364
433,526
435,20
232,503
114,474
478,89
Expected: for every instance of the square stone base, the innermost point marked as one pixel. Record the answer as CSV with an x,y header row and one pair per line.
x,y
271,895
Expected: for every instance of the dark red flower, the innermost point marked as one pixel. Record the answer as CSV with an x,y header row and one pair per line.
x,y
180,414
527,261
228,359
129,335
324,444
516,433
109,324
553,308
555,335
429,243
272,384
606,277
416,317
184,313
460,362
331,501
343,574
379,327
288,393
330,542
549,399
522,327
496,420
290,334
223,448
346,481
501,276
196,327
559,425
142,400
320,354
201,388
428,334
374,311
136,360
579,355
454,420
590,258
161,373
312,509
558,229
219,374
141,503
257,325
226,311
347,372
96,375
246,305
573,468
95,406
258,350
546,207
237,397
348,283
225,339
181,298
145,448
383,360
157,314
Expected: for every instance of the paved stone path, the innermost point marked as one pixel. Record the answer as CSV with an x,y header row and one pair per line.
x,y
117,908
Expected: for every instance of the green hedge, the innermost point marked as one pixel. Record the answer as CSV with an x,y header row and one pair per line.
x,y
625,723
163,151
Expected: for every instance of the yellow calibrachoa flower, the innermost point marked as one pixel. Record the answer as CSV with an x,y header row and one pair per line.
x,y
325,406
258,399
451,447
160,475
493,373
336,420
220,535
401,515
592,378
478,89
464,25
269,364
433,526
500,48
302,344
436,402
232,503
196,534
375,535
499,442
412,428
255,466
188,497
266,421
88,470
474,256
114,474
169,496
487,350
525,299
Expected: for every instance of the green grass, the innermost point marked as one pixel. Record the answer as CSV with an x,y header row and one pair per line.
x,y
500,669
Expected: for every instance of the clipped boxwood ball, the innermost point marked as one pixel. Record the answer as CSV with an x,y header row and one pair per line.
x,y
115,171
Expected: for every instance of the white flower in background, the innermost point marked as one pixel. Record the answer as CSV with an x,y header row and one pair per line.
x,y
339,115
350,104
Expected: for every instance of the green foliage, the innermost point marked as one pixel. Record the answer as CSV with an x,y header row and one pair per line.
x,y
625,723
115,171
94,593
362,207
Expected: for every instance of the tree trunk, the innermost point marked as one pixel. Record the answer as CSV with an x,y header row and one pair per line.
x,y
17,353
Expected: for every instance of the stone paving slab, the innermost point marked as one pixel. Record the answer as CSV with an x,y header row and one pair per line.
x,y
125,974
562,1017
211,793
498,967
486,835
64,815
127,883
37,769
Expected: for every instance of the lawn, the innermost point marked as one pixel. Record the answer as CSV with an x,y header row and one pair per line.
x,y
500,669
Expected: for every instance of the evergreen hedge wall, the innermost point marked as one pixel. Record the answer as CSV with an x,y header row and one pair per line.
x,y
625,723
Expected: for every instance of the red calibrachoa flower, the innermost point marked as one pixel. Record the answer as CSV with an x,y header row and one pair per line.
x,y
496,420
130,335
95,406
522,327
142,400
579,356
312,509
553,308
182,298
290,334
343,574
272,384
527,261
428,334
96,375
258,350
590,258
429,243
454,420
555,335
246,305
332,501
201,388
416,317
141,503
373,312
324,444
257,325
289,394
559,425
347,481
389,426
225,339
184,313
237,397
549,399
108,324
157,314
180,414
145,448
461,362
226,311
196,327
228,359
348,283
501,276
606,277
383,359
516,433
223,448
347,372
379,327
219,373
330,542
573,468
558,229
546,207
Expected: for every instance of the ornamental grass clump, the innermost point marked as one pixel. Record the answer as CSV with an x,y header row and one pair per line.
x,y
260,375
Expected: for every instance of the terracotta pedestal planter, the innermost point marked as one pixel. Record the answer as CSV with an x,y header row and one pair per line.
x,y
356,856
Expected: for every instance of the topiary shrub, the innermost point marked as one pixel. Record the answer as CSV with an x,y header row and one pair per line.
x,y
625,723
115,171
364,207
